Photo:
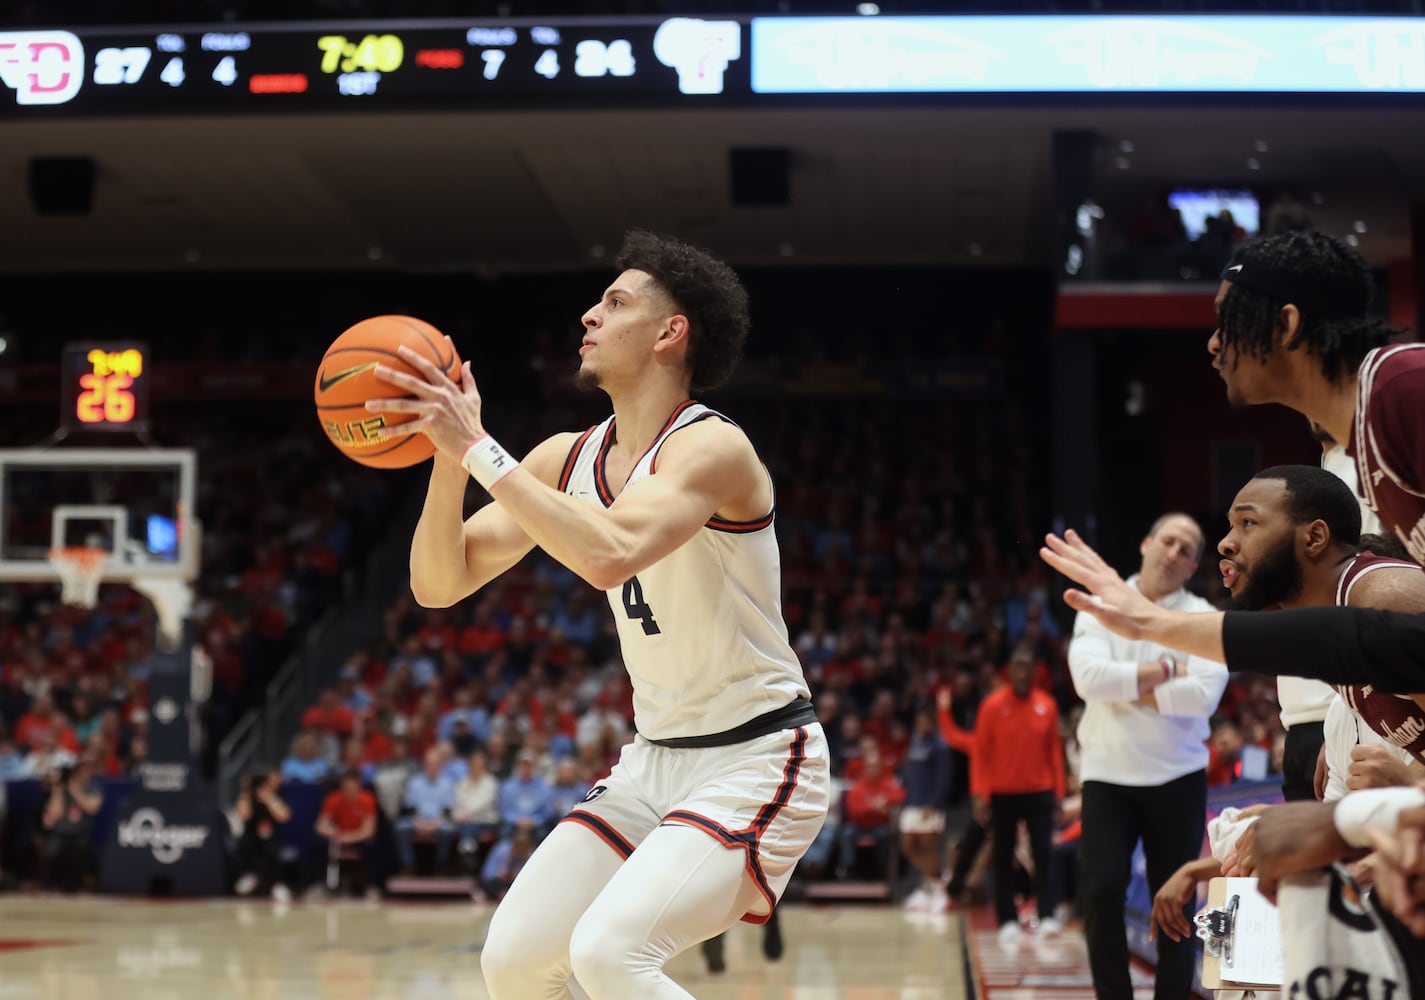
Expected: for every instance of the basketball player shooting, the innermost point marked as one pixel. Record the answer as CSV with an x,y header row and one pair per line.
x,y
666,507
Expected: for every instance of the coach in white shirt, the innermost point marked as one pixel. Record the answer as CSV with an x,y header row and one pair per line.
x,y
1144,761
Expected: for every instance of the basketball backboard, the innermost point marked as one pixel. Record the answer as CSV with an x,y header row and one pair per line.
x,y
135,503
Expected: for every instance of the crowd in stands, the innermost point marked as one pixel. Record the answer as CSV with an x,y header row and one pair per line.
x,y
73,681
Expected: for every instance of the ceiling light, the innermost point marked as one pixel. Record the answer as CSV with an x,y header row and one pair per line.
x,y
867,9
1253,163
1123,163
375,253
976,250
786,250
1126,146
1260,145
1351,240
1360,226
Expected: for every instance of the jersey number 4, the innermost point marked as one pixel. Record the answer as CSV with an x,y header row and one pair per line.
x,y
636,608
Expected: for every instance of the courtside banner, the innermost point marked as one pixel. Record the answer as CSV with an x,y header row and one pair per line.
x,y
1091,55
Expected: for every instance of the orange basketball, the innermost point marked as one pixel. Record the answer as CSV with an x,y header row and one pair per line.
x,y
345,381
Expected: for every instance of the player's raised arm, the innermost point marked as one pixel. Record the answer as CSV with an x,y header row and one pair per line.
x,y
705,468
451,559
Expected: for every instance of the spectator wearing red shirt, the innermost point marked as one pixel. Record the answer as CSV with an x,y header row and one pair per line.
x,y
330,716
869,803
1224,749
43,726
1017,773
348,822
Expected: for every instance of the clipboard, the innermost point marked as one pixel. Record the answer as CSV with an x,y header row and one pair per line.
x,y
1221,917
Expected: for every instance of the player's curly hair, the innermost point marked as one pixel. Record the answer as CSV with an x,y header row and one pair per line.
x,y
1340,332
705,290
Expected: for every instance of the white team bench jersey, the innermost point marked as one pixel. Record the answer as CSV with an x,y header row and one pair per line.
x,y
701,629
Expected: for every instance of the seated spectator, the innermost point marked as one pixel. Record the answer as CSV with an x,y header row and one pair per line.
x,y
428,802
12,760
348,823
567,791
477,811
260,807
329,716
500,756
46,758
353,695
869,803
1224,752
476,719
453,767
68,823
526,799
43,726
391,776
306,763
504,863
819,859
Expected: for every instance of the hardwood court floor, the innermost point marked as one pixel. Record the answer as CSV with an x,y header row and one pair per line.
x,y
98,948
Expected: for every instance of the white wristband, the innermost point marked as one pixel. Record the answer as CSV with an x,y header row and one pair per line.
x,y
487,462
1373,809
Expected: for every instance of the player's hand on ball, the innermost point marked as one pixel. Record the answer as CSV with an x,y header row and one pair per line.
x,y
447,413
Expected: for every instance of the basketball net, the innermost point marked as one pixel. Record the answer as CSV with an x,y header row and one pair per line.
x,y
80,569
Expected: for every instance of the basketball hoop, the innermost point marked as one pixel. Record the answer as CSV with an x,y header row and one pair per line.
x,y
80,569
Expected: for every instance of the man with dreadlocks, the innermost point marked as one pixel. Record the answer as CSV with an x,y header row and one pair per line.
x,y
1294,328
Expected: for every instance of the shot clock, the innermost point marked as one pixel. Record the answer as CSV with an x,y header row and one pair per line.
x,y
104,387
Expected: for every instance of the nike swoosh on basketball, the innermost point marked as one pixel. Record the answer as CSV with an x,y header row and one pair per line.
x,y
324,383
1235,267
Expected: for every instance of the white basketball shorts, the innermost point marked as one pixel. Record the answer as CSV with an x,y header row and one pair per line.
x,y
767,797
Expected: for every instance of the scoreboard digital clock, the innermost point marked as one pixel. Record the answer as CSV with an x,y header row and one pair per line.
x,y
272,67
691,62
104,386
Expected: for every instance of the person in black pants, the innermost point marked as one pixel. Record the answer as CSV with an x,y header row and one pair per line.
x,y
260,807
772,946
1142,761
1018,775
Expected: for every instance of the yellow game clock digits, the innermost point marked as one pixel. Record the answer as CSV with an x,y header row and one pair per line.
x,y
371,54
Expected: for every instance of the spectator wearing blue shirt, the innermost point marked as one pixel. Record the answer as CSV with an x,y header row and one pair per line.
x,y
453,767
355,698
476,718
427,804
567,791
421,664
526,799
306,763
504,862
576,620
12,761
926,776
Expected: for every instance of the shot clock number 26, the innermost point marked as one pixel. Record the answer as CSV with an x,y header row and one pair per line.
x,y
105,386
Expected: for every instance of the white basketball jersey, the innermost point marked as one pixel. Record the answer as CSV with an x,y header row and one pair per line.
x,y
701,629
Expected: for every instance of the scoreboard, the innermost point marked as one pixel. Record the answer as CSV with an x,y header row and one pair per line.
x,y
258,68
694,62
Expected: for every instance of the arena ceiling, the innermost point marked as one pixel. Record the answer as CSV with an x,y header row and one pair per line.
x,y
502,192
